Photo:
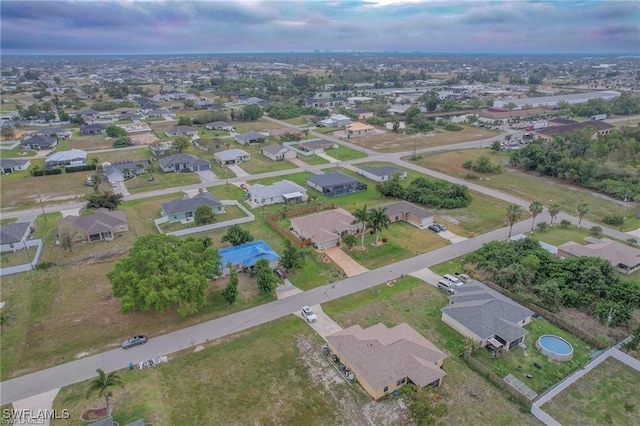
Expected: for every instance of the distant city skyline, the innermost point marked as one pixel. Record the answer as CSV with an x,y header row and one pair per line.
x,y
61,27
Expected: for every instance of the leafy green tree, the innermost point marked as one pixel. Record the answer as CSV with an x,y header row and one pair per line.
x,y
396,126
67,233
184,121
391,188
267,280
164,271
554,210
230,292
361,216
204,215
236,235
102,385
565,223
181,143
108,200
542,226
252,112
378,220
514,214
535,208
349,240
582,209
292,257
96,179
114,131
596,230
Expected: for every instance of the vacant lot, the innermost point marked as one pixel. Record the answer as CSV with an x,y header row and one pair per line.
x,y
272,374
144,182
531,186
344,153
260,163
608,394
90,142
394,142
410,300
124,155
260,125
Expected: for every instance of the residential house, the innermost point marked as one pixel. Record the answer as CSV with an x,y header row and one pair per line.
x,y
159,112
253,101
231,157
101,225
10,165
381,174
183,163
220,125
250,138
93,129
88,115
181,130
362,113
624,258
335,183
13,236
278,152
184,209
336,120
317,145
360,129
160,148
121,171
486,316
325,229
325,103
39,142
408,212
246,255
385,359
55,132
284,191
73,157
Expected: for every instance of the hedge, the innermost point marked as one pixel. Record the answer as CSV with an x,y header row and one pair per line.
x,y
73,169
46,172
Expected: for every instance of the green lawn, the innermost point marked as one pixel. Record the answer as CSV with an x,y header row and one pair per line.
x,y
608,394
313,160
262,164
412,301
231,212
8,220
256,377
344,153
325,130
142,183
16,152
551,372
531,186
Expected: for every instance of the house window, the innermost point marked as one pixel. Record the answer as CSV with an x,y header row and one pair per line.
x,y
400,382
386,389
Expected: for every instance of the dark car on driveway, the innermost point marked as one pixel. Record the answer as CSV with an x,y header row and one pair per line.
x,y
436,227
134,341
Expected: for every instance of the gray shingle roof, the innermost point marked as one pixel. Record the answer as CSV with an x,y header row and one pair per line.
x,y
96,126
402,207
486,312
171,160
381,171
13,232
230,154
13,162
40,141
275,190
331,179
185,205
249,136
273,149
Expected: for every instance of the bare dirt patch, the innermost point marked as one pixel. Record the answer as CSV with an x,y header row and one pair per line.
x,y
144,139
355,406
247,285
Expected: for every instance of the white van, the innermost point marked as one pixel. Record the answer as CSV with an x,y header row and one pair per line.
x,y
453,280
446,286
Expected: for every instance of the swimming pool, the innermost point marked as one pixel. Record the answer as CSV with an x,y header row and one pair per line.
x,y
555,348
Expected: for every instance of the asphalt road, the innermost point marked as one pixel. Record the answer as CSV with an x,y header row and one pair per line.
x,y
83,369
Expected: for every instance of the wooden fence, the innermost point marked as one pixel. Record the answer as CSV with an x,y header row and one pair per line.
x,y
272,220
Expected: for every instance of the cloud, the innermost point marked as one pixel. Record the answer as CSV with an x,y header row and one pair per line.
x,y
166,26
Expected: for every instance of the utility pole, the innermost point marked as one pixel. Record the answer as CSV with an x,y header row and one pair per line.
x,y
28,254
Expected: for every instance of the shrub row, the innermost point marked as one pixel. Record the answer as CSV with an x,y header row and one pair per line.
x,y
46,172
86,167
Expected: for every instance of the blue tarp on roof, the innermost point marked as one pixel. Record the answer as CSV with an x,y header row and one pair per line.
x,y
247,254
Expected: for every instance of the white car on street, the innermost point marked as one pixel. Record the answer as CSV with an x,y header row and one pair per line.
x,y
309,315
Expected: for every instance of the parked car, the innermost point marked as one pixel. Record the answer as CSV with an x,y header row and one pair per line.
x,y
462,277
446,286
309,315
280,273
134,341
437,227
453,280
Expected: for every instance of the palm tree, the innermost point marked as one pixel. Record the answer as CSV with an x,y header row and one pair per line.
x,y
102,384
554,209
535,208
361,215
378,219
514,213
96,179
583,209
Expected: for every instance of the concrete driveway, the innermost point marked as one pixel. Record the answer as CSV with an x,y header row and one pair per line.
x,y
324,326
342,259
70,212
238,170
120,188
427,275
453,238
207,176
287,289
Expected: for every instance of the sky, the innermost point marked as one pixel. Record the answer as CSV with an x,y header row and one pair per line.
x,y
29,27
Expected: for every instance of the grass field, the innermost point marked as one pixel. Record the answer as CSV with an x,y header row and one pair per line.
x,y
142,183
260,125
313,160
124,155
608,394
344,153
20,257
260,163
231,212
394,142
257,377
410,300
531,186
